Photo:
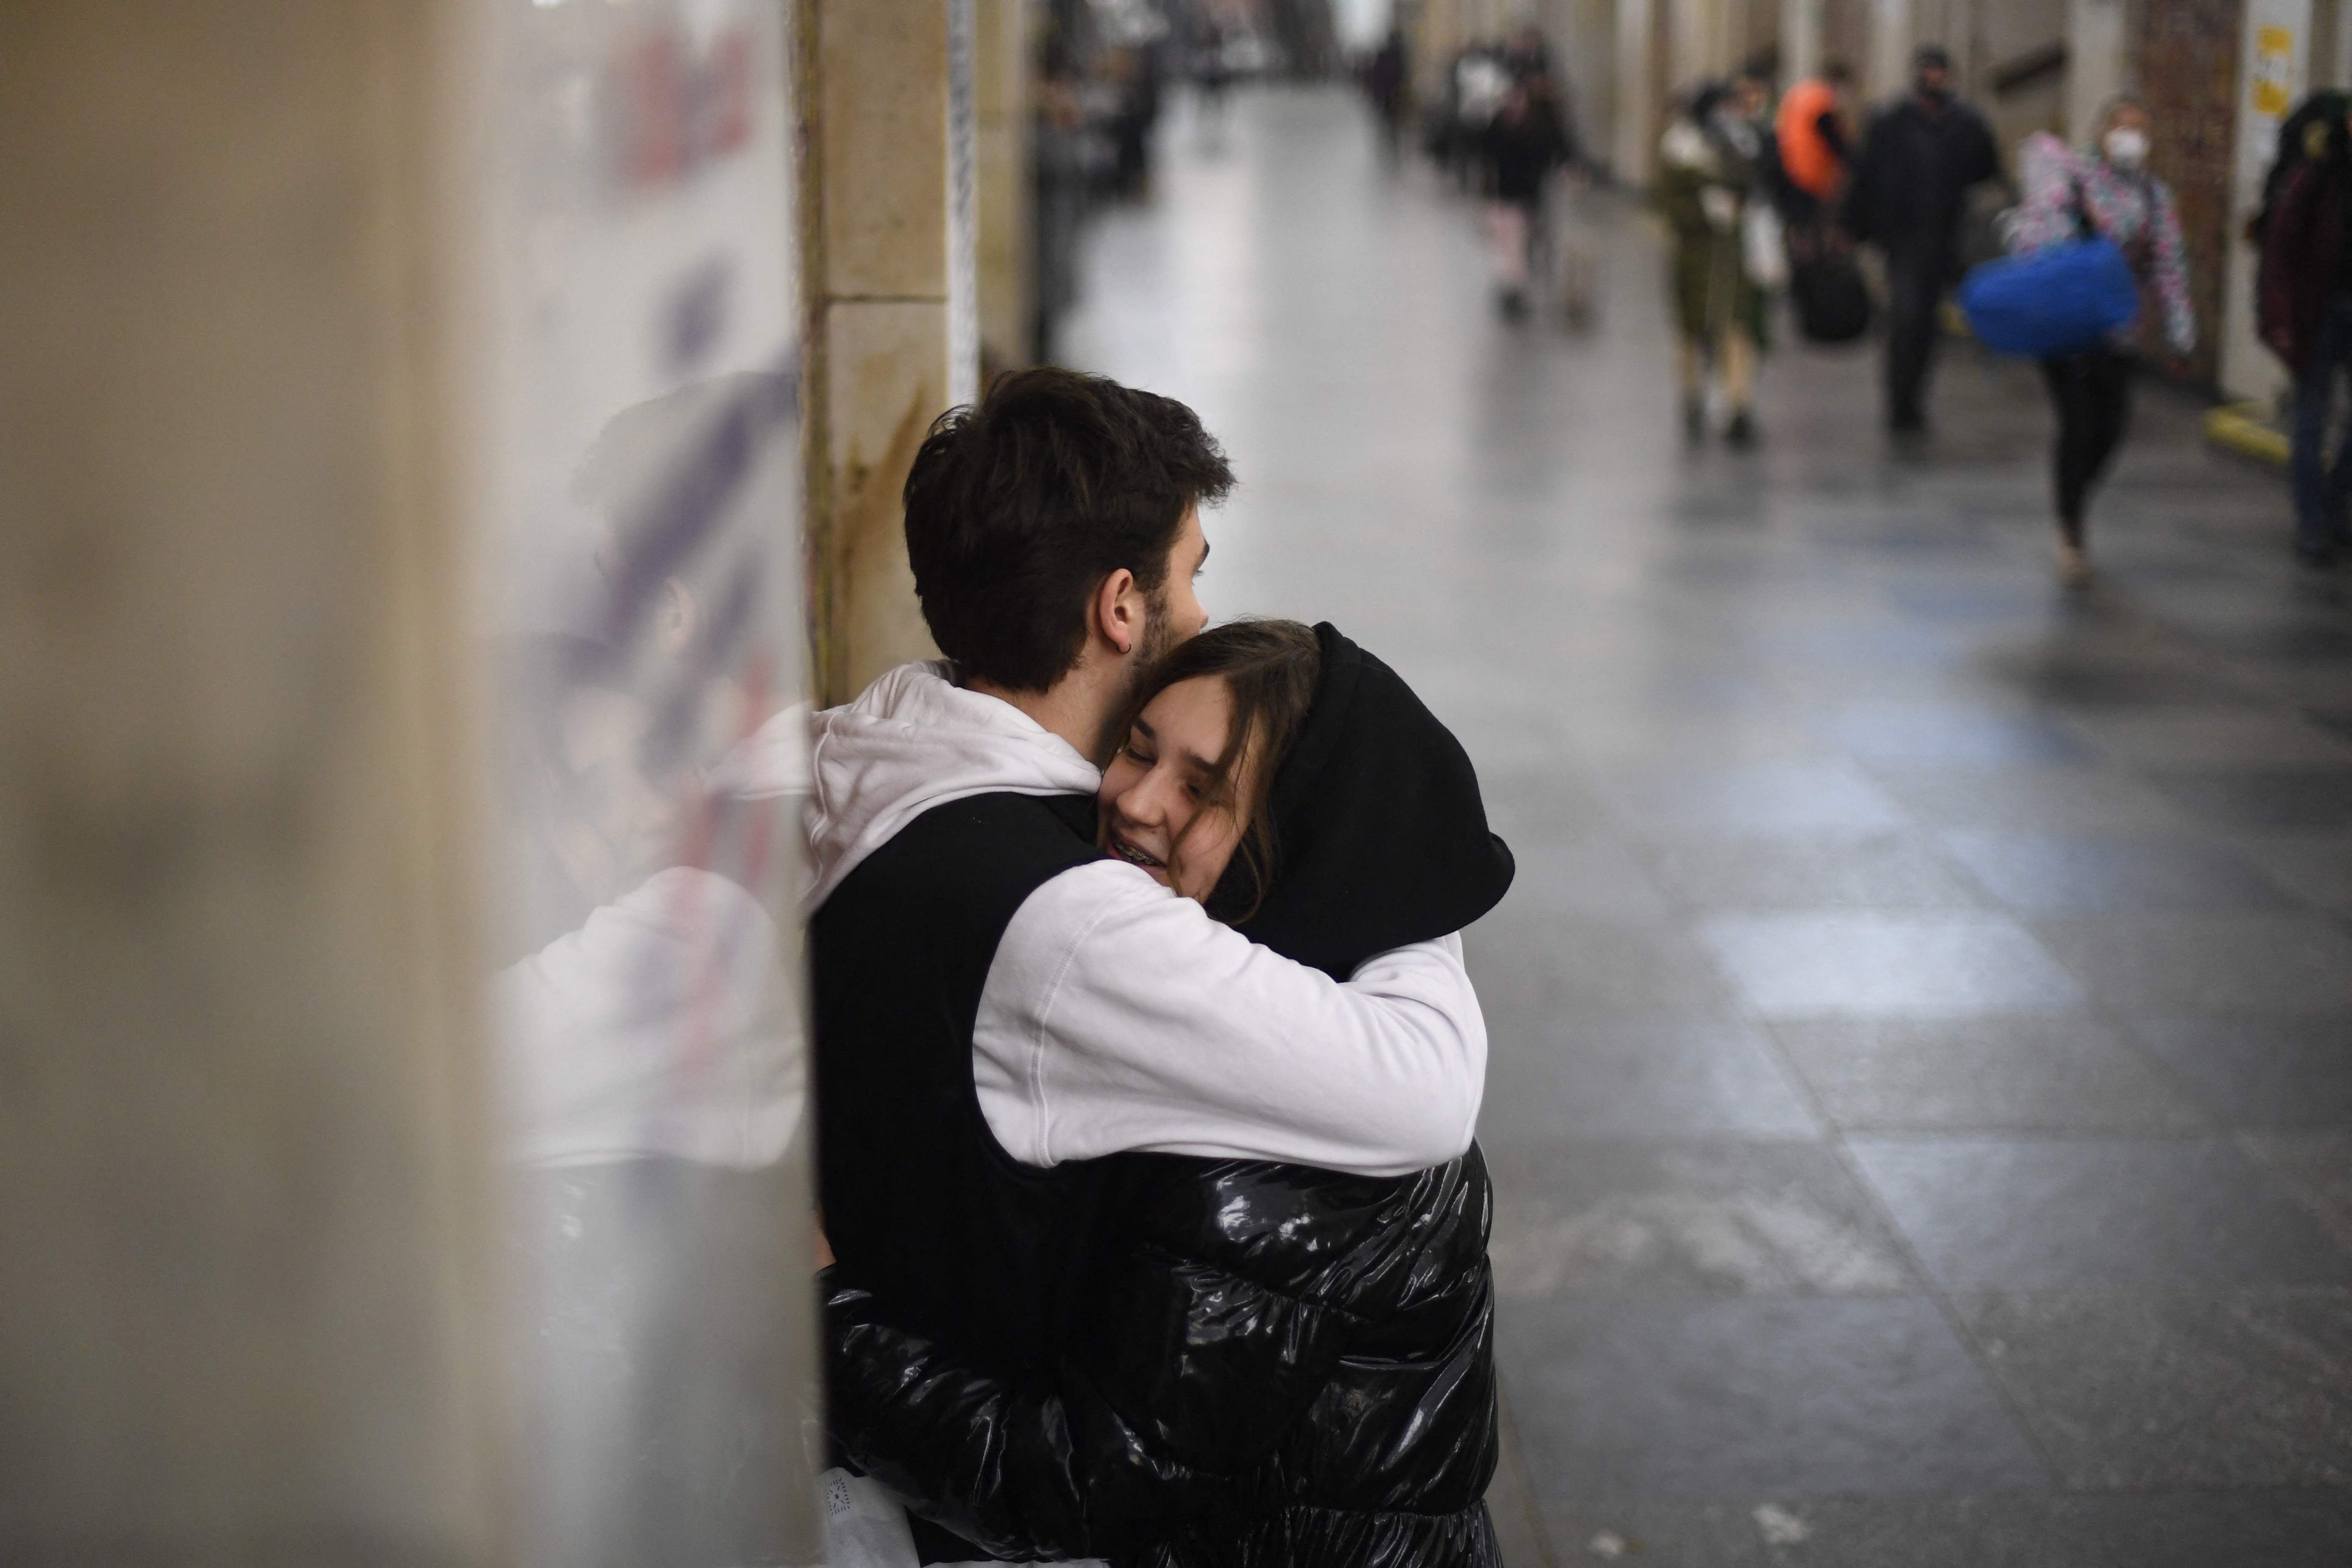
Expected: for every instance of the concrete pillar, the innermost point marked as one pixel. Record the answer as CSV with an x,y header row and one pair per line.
x,y
1637,106
2331,43
1582,35
1001,158
875,79
2273,73
1888,70
243,1173
1691,36
2096,61
1800,38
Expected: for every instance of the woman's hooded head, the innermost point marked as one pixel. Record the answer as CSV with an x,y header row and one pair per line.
x,y
1379,835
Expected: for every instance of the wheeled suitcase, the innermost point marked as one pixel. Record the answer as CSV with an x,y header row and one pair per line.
x,y
1832,300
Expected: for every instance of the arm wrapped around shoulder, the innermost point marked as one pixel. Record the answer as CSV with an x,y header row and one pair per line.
x,y
1118,1017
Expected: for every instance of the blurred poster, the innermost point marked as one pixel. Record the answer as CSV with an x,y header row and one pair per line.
x,y
642,601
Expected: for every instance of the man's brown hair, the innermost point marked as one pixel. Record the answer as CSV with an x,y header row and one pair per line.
x,y
1018,507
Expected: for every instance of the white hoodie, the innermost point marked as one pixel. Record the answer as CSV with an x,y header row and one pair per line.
x,y
1118,1015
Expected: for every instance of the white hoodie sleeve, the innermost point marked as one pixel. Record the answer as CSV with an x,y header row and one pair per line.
x,y
1118,1015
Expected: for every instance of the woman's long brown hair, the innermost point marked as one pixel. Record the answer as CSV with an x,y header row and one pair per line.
x,y
1269,668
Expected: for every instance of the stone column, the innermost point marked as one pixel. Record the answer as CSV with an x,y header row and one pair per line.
x,y
1888,70
243,1173
1637,107
1693,36
1801,39
2095,61
875,260
1583,34
1002,157
2273,74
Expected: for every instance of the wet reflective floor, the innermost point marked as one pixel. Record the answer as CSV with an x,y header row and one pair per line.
x,y
1921,1096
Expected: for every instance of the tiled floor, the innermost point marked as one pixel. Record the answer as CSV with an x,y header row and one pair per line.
x,y
1921,1099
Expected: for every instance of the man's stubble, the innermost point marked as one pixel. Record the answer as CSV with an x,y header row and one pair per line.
x,y
1160,638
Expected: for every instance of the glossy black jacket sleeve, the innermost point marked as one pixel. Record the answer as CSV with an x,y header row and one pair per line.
x,y
1164,1414
1020,1471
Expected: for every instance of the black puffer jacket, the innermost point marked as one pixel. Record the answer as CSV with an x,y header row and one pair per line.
x,y
1276,1366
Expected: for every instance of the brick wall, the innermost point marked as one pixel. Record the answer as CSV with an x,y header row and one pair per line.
x,y
2188,52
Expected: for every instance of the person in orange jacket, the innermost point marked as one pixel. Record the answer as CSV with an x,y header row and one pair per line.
x,y
1812,128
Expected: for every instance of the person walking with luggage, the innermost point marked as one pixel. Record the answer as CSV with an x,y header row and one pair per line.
x,y
1813,129
2105,191
1918,160
2304,312
1710,166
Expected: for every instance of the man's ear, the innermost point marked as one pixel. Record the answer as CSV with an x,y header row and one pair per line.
x,y
1117,613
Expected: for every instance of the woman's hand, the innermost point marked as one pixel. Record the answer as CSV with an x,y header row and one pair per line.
x,y
823,1248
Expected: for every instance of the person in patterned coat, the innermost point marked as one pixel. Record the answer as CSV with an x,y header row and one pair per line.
x,y
2105,191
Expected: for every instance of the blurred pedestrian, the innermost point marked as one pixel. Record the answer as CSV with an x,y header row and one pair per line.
x,y
1386,75
1522,146
1525,54
1812,128
2105,191
1474,88
1138,72
1710,167
1909,187
1215,38
2303,311
1059,170
2296,145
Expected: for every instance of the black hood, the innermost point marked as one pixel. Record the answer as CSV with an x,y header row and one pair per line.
x,y
1381,836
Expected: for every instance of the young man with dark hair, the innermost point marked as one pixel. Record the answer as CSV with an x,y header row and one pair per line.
x,y
1043,507
997,1003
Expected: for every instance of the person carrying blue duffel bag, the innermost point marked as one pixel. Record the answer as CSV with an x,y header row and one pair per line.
x,y
2095,232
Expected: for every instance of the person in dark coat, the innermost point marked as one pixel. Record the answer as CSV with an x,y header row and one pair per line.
x,y
1272,1364
2304,312
2302,135
1388,78
1918,160
1520,147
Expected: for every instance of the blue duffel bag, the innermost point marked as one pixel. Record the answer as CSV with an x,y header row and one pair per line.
x,y
2050,301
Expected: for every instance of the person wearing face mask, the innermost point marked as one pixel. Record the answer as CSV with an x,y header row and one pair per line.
x,y
1270,1364
1920,158
2106,192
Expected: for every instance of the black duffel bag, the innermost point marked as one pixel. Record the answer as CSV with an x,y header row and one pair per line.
x,y
1832,302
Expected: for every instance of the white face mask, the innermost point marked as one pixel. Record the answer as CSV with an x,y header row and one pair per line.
x,y
2126,148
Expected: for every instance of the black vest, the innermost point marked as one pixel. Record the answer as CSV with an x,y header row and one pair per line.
x,y
967,1245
